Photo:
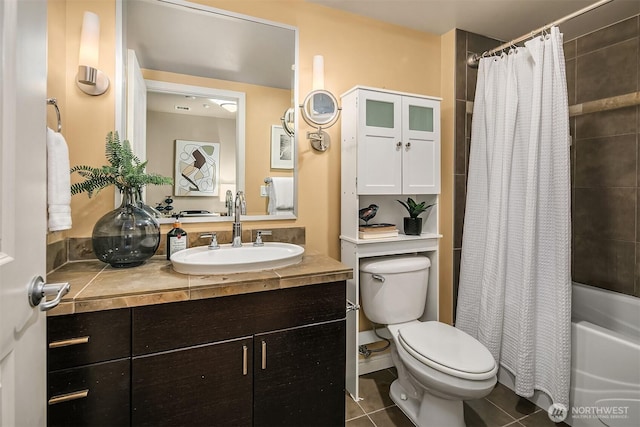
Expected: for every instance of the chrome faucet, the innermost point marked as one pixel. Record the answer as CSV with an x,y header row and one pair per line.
x,y
240,206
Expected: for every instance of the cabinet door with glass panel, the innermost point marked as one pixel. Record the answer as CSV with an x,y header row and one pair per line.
x,y
398,147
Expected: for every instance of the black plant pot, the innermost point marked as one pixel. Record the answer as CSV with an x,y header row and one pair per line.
x,y
413,226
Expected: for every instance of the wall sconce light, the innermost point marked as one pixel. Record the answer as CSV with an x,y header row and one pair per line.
x,y
90,80
318,73
320,108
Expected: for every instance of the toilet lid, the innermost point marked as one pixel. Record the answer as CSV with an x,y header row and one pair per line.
x,y
448,349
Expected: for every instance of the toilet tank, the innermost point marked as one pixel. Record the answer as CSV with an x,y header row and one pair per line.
x,y
394,288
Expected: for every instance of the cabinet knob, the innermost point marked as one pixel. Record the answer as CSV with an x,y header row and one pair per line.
x,y
408,145
399,144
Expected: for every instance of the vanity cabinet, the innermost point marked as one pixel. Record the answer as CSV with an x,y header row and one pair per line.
x,y
266,358
390,151
88,364
395,139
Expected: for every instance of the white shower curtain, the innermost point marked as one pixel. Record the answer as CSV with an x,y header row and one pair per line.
x,y
515,281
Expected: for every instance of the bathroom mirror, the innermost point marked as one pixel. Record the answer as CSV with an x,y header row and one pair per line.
x,y
183,43
320,108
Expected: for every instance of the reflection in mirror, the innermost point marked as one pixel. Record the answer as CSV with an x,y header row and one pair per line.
x,y
288,121
199,46
192,121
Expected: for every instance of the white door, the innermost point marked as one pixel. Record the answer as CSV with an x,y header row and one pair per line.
x,y
421,150
379,164
23,26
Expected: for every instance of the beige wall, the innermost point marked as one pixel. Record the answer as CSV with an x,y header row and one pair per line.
x,y
357,51
448,62
264,107
86,120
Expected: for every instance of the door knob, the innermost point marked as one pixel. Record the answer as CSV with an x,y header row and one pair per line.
x,y
39,290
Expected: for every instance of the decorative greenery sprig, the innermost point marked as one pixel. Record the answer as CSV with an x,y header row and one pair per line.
x,y
414,208
125,172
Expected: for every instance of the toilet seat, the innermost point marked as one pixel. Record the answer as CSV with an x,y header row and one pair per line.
x,y
447,349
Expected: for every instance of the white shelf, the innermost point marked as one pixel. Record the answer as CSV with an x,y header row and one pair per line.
x,y
382,165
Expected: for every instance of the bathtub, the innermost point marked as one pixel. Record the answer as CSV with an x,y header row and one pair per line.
x,y
605,360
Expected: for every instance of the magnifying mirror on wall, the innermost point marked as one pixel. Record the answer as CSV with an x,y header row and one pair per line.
x,y
320,109
288,122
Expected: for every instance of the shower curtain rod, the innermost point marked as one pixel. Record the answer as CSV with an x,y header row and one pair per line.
x,y
474,59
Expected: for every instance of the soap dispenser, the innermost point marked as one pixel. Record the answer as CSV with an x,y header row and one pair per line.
x,y
176,238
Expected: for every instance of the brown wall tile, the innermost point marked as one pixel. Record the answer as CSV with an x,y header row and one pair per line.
x,y
456,279
606,162
80,248
460,196
569,49
472,77
571,81
608,264
605,213
607,72
460,147
56,254
461,64
479,44
607,123
608,36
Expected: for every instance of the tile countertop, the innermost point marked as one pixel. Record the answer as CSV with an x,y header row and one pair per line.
x,y
97,286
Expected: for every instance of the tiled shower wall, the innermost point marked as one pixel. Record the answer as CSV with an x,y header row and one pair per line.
x,y
603,73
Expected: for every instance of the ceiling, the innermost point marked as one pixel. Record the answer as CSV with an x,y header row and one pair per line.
x,y
201,41
499,19
188,105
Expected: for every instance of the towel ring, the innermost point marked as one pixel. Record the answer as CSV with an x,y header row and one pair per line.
x,y
54,102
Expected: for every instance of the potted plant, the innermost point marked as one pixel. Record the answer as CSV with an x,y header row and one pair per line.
x,y
128,235
413,224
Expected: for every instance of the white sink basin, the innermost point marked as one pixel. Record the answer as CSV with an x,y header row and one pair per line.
x,y
202,260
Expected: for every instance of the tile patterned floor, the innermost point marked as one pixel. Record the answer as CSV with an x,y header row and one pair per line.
x,y
500,408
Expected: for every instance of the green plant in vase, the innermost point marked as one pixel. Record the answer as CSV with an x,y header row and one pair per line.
x,y
413,224
128,235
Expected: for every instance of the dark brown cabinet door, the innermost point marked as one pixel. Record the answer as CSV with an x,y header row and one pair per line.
x,y
299,376
92,395
197,386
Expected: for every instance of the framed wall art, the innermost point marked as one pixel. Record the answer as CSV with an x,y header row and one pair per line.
x,y
197,168
282,149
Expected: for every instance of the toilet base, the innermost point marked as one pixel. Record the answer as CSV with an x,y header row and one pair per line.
x,y
428,411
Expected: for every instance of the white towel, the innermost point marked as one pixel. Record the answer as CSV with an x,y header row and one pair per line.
x,y
58,182
280,195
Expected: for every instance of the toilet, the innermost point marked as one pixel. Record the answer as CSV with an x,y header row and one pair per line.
x,y
438,365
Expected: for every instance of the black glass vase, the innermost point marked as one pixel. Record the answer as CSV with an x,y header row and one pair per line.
x,y
126,236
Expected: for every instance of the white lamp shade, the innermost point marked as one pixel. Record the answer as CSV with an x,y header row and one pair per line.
x,y
318,72
90,40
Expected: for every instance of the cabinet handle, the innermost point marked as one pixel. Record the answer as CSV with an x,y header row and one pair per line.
x,y
244,360
408,145
67,343
264,355
399,144
69,396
